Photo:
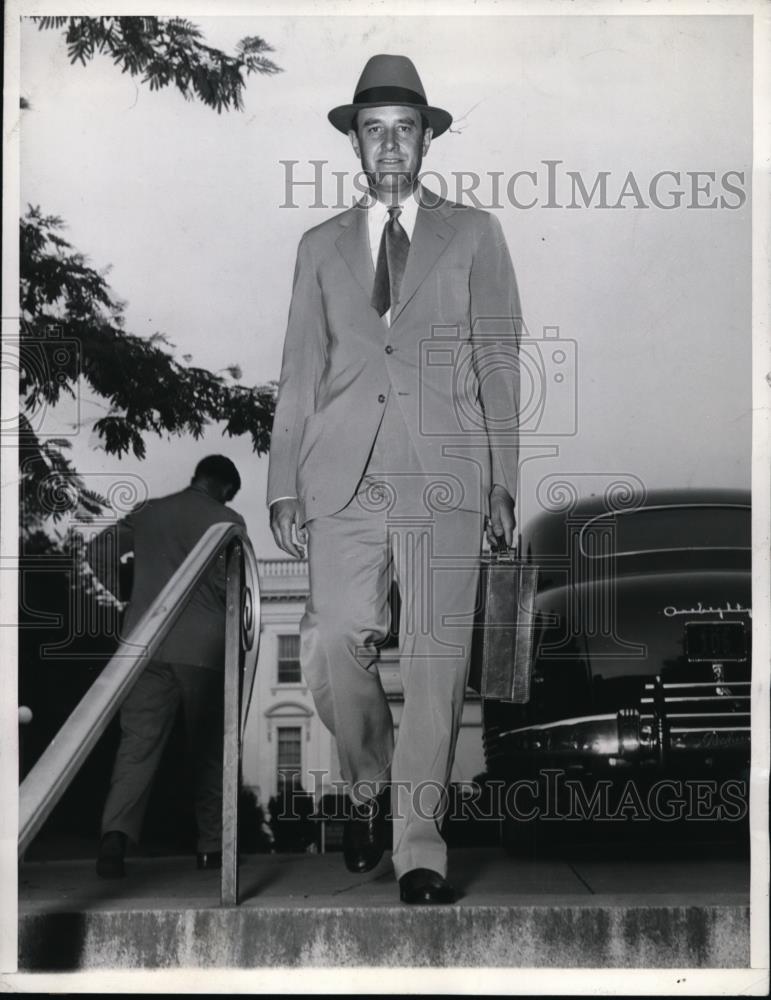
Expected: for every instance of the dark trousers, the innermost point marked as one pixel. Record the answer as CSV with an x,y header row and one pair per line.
x,y
146,719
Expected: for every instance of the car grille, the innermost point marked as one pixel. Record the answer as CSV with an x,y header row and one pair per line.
x,y
685,719
676,716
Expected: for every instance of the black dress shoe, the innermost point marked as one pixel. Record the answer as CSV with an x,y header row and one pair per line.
x,y
424,886
112,850
364,837
209,860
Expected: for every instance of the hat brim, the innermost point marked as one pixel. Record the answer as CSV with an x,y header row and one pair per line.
x,y
343,116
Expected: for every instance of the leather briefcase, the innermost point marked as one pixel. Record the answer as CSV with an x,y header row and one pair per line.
x,y
502,644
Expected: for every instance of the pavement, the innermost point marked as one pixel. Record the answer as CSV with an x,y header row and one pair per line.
x,y
297,910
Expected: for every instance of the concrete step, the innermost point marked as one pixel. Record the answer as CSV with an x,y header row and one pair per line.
x,y
307,911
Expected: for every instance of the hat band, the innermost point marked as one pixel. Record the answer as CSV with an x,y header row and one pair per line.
x,y
389,95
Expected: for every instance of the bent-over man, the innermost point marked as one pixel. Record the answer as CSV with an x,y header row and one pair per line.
x,y
186,671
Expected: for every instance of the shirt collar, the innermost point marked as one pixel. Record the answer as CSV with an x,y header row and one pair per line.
x,y
199,489
377,213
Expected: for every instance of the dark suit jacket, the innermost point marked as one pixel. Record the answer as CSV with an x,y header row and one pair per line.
x,y
450,358
161,533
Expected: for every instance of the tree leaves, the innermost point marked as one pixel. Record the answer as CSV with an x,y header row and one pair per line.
x,y
73,336
164,51
73,342
120,436
51,487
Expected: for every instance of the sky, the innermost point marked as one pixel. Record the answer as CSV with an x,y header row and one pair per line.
x,y
652,304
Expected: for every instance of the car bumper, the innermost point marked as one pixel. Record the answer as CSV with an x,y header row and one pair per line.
x,y
684,721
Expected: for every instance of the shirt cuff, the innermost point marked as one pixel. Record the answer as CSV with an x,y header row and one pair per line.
x,y
280,498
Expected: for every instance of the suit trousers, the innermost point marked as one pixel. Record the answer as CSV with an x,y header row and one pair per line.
x,y
146,720
402,519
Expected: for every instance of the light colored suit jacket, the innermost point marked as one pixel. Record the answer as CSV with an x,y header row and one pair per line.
x,y
161,533
449,359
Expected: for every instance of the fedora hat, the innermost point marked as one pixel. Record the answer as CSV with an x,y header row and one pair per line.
x,y
389,80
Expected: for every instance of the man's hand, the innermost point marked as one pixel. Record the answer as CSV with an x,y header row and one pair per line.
x,y
501,523
285,525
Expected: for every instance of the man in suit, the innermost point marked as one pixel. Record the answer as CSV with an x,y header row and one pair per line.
x,y
395,436
187,669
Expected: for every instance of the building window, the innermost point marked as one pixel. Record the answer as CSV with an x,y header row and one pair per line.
x,y
289,752
289,659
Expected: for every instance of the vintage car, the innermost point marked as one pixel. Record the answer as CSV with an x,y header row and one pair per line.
x,y
633,655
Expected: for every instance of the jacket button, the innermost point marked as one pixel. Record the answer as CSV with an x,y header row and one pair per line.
x,y
381,398
389,350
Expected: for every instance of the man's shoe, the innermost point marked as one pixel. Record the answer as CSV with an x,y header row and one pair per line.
x,y
364,837
112,850
423,886
209,860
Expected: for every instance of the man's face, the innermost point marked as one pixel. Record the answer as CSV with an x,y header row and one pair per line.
x,y
391,144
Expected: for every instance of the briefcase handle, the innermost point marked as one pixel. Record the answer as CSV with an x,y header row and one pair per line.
x,y
502,552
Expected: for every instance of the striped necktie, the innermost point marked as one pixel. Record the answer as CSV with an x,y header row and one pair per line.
x,y
391,261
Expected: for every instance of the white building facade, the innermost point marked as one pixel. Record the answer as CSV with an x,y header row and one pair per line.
x,y
284,735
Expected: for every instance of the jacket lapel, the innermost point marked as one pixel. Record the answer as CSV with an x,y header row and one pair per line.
x,y
431,237
353,244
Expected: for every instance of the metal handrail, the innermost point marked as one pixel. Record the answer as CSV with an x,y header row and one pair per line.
x,y
51,775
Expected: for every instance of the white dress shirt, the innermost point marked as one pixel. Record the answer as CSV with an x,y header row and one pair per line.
x,y
377,216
